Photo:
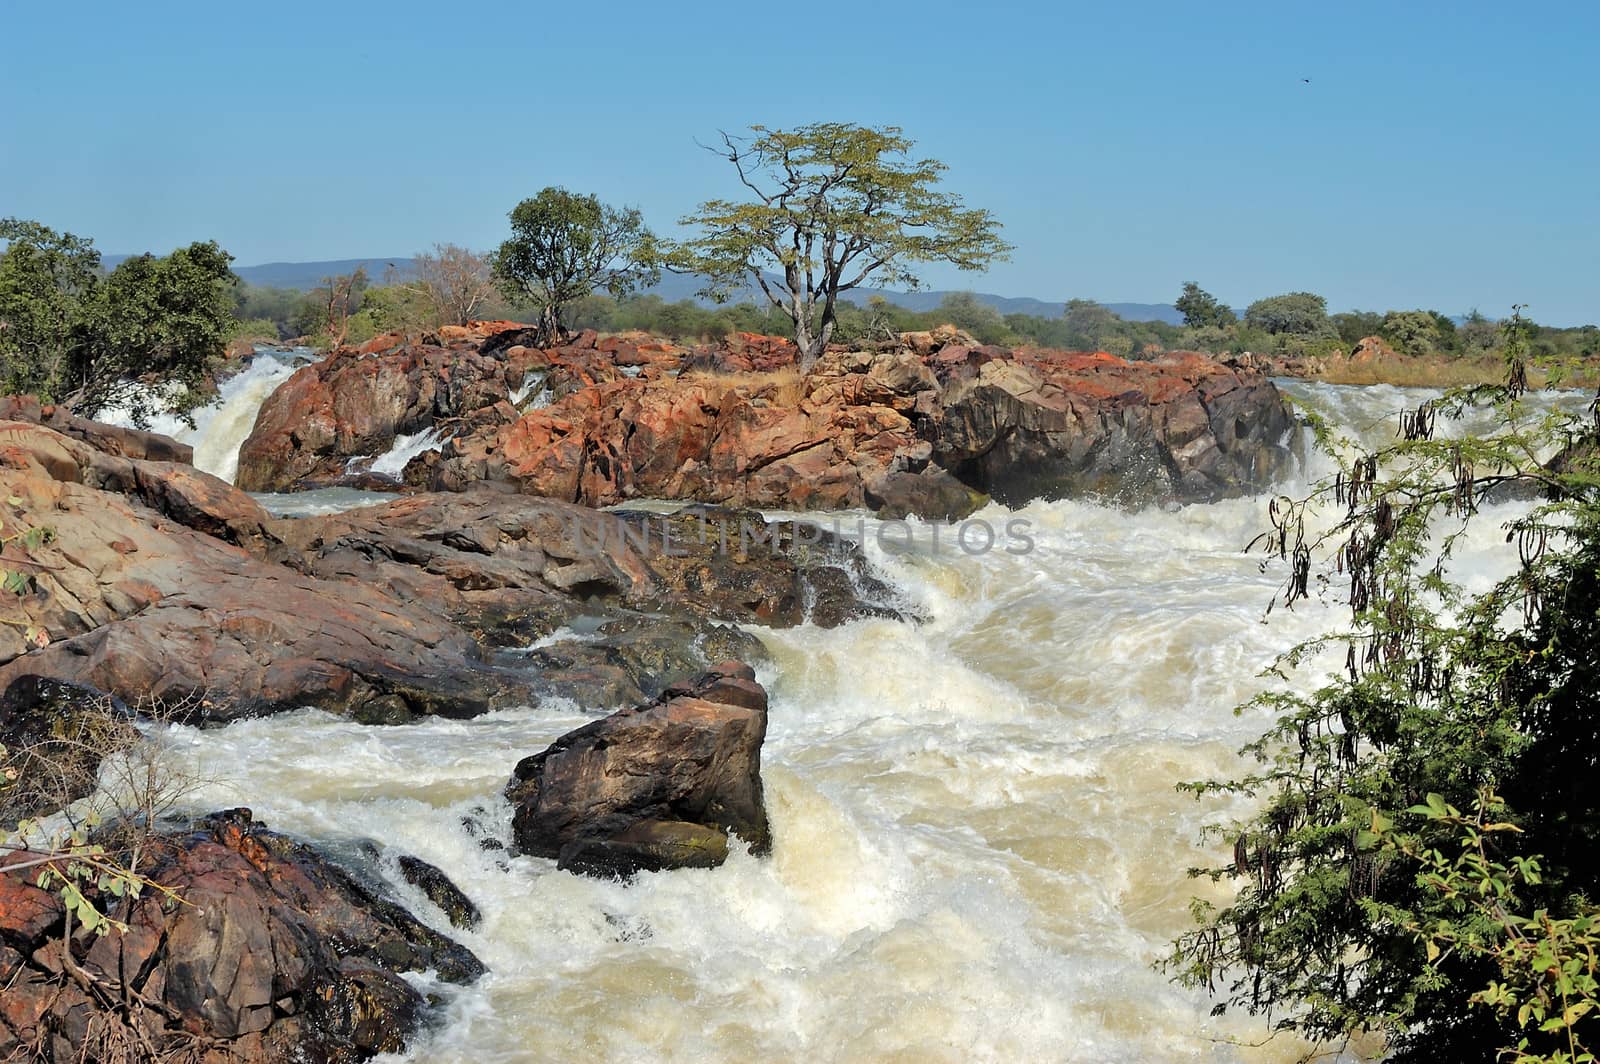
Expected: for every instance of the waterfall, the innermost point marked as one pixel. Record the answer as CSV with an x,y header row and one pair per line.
x,y
222,426
393,462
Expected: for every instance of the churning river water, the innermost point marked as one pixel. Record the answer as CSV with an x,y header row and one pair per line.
x,y
979,851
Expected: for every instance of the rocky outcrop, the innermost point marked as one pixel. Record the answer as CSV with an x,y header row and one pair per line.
x,y
112,440
660,786
161,581
273,953
140,605
1049,425
321,423
515,566
898,431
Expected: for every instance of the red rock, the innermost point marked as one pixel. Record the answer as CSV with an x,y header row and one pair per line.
x,y
351,405
273,954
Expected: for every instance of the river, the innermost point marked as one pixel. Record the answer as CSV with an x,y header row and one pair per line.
x,y
979,851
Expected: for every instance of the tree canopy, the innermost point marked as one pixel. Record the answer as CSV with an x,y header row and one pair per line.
x,y
831,207
1295,313
458,282
1202,310
565,245
72,336
1412,332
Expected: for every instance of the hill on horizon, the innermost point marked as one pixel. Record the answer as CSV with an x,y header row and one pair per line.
x,y
674,287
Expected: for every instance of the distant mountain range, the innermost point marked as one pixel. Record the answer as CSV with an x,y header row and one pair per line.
x,y
307,275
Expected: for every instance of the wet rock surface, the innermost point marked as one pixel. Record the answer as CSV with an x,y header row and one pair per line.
x,y
354,403
163,582
659,786
263,951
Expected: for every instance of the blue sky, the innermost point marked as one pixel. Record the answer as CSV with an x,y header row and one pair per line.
x,y
1443,155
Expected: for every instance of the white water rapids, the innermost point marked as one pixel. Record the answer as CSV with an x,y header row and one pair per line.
x,y
979,851
223,425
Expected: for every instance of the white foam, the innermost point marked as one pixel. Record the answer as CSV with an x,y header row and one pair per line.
x,y
393,462
221,427
978,844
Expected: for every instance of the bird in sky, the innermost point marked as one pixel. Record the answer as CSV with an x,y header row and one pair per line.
x,y
1306,80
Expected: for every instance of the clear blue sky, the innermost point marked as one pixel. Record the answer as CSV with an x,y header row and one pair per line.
x,y
1444,154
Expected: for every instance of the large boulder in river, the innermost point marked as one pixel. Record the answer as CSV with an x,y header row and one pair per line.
x,y
272,954
162,581
1051,425
660,786
508,564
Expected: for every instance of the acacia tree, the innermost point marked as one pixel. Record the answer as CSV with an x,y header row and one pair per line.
x,y
1365,900
1294,313
565,245
835,206
458,282
143,336
1201,309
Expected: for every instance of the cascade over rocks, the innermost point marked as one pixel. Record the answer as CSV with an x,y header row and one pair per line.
x,y
659,786
354,403
274,953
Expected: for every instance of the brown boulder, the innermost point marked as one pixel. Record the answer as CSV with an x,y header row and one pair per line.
x,y
108,439
1053,425
351,406
273,954
659,786
138,604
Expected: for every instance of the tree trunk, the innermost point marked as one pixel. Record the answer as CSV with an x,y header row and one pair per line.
x,y
549,332
809,353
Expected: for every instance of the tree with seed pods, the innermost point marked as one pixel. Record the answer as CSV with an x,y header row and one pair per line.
x,y
1365,901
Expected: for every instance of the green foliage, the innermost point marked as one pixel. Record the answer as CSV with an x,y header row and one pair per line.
x,y
565,245
1090,325
1545,965
324,315
1300,314
263,303
1411,332
254,329
1202,310
1443,692
47,285
965,312
18,569
71,336
1356,325
833,206
1478,335
407,309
